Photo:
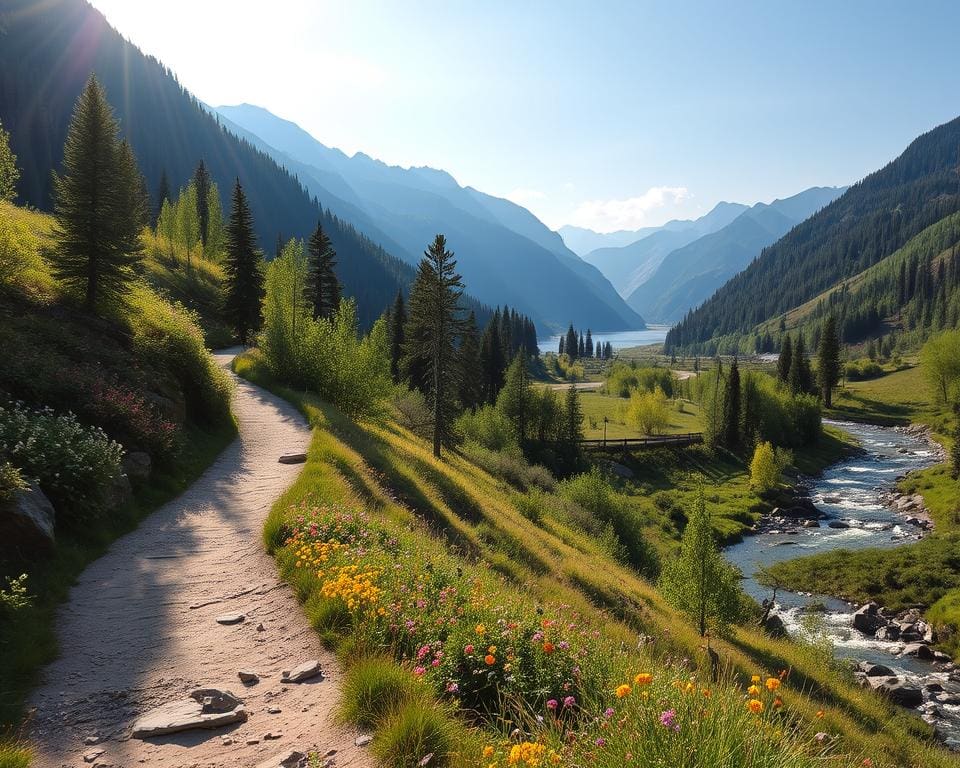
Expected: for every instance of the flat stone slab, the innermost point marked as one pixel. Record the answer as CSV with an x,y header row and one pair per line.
x,y
293,458
231,618
184,715
305,671
290,759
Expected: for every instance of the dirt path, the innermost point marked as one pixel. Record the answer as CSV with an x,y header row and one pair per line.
x,y
139,628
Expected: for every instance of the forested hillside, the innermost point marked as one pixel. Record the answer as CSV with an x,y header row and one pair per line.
x,y
871,220
47,52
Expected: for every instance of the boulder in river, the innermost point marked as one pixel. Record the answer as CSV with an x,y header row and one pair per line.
x,y
890,632
774,626
921,650
901,692
875,670
838,524
867,619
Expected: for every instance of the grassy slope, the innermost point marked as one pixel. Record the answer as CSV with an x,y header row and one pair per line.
x,y
913,575
40,318
396,475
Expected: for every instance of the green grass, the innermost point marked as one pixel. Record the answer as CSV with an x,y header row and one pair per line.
x,y
597,405
897,398
415,731
374,689
14,754
453,517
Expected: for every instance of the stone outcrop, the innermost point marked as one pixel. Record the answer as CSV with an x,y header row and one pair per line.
x,y
27,522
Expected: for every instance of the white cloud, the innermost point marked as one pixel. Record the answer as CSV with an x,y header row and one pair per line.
x,y
631,213
525,197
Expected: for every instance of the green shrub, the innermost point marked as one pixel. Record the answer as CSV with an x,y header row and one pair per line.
x,y
623,379
416,730
592,492
863,370
487,427
72,463
510,466
374,689
530,504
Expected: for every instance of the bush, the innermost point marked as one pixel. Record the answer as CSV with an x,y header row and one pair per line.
x,y
625,378
592,492
863,370
413,412
374,689
765,468
72,463
510,466
486,427
648,411
531,504
416,731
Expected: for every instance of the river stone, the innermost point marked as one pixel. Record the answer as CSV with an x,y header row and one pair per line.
x,y
866,619
184,715
230,618
811,524
920,650
875,670
838,524
305,671
890,632
293,458
774,626
27,521
901,692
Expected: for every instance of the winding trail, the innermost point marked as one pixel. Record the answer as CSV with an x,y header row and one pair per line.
x,y
139,627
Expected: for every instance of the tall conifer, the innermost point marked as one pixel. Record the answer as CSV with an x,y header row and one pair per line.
x,y
323,287
828,360
398,319
201,180
244,283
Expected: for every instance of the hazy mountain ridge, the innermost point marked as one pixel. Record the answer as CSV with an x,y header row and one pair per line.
x,y
505,254
691,274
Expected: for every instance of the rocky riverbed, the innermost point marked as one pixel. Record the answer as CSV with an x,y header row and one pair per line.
x,y
855,504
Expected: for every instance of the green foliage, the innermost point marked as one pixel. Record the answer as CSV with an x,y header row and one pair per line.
x,y
861,371
433,329
648,411
244,289
325,354
510,466
699,581
9,173
375,689
592,492
100,205
940,363
322,288
488,427
828,360
72,463
514,399
766,467
625,378
188,222
11,481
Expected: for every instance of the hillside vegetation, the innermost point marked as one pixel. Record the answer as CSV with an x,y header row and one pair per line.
x,y
80,396
521,588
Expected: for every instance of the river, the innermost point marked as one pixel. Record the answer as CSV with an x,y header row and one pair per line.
x,y
852,492
652,334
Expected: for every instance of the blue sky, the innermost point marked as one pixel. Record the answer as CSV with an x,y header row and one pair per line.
x,y
607,114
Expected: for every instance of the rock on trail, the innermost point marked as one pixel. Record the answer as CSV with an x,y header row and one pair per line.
x,y
139,633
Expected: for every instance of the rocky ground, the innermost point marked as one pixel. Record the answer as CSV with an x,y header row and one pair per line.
x,y
184,624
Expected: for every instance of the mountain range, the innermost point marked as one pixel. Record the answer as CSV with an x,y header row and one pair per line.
x,y
689,275
863,227
505,254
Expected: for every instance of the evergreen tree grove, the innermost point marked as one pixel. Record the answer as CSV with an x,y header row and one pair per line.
x,y
730,429
785,360
514,399
471,385
323,287
492,362
433,328
99,205
244,283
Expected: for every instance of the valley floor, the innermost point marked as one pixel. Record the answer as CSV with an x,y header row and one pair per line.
x,y
140,629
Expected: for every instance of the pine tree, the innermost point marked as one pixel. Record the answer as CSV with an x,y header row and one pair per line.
x,y
323,287
514,399
471,385
201,181
99,204
589,343
828,360
699,581
570,346
730,429
492,362
581,347
398,320
163,195
560,348
9,173
785,360
573,417
244,275
433,328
